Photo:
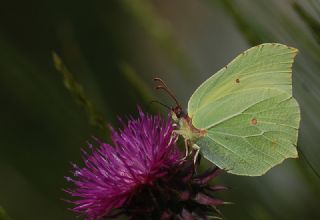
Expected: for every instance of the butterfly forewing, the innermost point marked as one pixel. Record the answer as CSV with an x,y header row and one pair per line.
x,y
248,111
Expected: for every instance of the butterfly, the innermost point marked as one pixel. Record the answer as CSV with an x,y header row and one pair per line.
x,y
244,118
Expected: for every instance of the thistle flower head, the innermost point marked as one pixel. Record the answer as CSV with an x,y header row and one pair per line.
x,y
142,152
141,176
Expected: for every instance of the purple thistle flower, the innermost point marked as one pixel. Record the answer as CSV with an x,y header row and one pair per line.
x,y
143,152
142,176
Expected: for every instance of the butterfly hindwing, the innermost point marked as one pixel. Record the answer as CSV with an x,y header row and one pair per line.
x,y
248,111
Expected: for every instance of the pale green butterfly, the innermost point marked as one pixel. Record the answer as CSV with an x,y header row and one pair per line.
x,y
243,118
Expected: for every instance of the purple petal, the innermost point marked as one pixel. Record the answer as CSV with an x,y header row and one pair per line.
x,y
142,152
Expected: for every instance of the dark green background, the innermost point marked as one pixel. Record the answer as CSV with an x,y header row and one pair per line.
x,y
114,49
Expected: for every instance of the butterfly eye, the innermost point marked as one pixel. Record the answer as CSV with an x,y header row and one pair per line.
x,y
176,112
179,112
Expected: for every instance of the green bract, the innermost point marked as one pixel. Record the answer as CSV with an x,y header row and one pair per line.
x,y
247,113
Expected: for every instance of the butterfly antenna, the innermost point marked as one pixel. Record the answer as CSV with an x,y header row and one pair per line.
x,y
164,87
160,103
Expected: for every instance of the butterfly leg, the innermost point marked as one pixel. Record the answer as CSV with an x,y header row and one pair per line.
x,y
196,155
187,150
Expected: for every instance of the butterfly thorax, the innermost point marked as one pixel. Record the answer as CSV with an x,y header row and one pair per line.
x,y
185,127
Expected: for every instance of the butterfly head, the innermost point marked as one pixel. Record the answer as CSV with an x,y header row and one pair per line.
x,y
177,111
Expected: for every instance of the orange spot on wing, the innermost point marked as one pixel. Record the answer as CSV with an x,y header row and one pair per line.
x,y
254,121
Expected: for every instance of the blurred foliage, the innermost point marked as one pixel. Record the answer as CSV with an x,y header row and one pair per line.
x,y
3,214
144,90
312,23
77,91
160,31
114,49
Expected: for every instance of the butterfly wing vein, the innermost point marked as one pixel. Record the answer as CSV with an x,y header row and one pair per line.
x,y
249,112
